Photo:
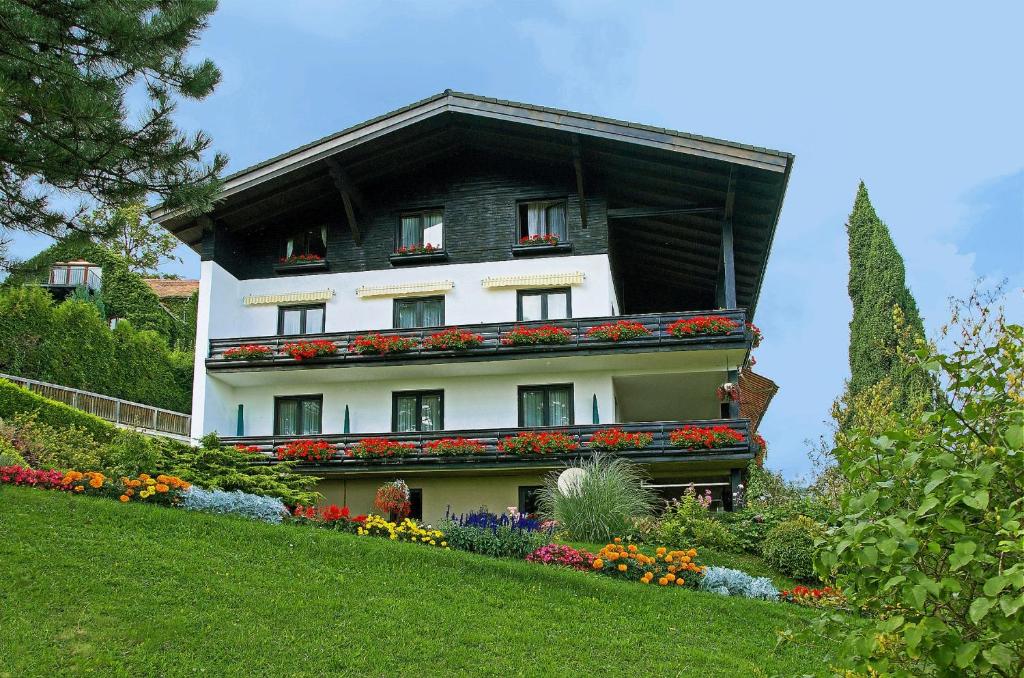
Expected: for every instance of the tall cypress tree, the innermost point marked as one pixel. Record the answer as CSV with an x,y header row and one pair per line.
x,y
877,286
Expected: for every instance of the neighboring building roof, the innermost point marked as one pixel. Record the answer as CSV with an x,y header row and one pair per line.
x,y
166,288
756,392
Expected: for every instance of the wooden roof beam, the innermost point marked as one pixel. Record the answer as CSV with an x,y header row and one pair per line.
x,y
577,163
347,190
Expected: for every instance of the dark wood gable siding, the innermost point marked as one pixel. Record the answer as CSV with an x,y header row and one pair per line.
x,y
479,194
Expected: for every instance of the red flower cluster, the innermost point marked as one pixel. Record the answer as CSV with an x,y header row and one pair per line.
x,y
531,336
248,449
452,339
728,392
303,350
824,597
248,352
537,443
393,499
756,334
713,437
328,515
380,448
454,447
560,554
616,439
21,475
310,451
417,249
617,331
539,240
300,259
380,344
704,325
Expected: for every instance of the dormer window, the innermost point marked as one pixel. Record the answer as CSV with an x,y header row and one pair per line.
x,y
543,219
309,244
421,231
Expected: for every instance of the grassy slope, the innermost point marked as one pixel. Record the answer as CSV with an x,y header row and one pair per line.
x,y
89,584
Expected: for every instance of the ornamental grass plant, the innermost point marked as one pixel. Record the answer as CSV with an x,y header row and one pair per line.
x,y
606,498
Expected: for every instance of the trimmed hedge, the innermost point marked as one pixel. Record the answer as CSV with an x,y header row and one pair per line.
x,y
15,400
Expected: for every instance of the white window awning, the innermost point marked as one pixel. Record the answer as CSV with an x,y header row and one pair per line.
x,y
405,289
287,298
534,280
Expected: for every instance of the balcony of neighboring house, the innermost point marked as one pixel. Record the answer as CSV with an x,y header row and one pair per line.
x,y
67,276
622,335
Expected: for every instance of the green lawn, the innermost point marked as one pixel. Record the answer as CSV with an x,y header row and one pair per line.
x,y
90,585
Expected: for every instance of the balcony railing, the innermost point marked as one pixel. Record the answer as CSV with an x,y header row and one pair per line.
x,y
660,448
657,324
75,275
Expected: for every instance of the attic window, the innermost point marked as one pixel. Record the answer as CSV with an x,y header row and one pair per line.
x,y
307,242
542,218
421,230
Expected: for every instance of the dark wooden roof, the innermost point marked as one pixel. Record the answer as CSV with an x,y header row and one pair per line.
x,y
666,190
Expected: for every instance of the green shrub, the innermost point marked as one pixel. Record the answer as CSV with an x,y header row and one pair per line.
x,y
789,546
688,523
27,314
130,453
10,456
603,504
48,447
15,399
81,347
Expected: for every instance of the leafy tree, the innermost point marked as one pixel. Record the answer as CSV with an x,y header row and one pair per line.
x,y
26,320
68,70
931,544
128,233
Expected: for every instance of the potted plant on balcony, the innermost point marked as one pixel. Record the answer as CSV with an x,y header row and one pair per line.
x,y
701,437
534,336
381,448
304,350
409,254
532,443
615,439
702,326
538,240
621,330
755,334
248,352
393,499
309,451
728,392
382,344
452,339
297,263
454,447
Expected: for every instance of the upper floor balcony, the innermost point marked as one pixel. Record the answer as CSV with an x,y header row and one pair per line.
x,y
621,334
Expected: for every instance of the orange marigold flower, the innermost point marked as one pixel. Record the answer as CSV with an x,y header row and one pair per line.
x,y
618,540
692,553
123,498
160,487
663,582
632,548
680,582
622,567
670,576
78,488
598,564
96,483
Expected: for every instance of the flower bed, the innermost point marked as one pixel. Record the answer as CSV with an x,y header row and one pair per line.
x,y
381,344
622,330
454,447
504,536
452,339
380,448
309,451
810,597
300,259
712,437
532,336
304,350
560,554
22,475
408,250
537,443
248,449
532,240
614,439
248,352
702,326
676,568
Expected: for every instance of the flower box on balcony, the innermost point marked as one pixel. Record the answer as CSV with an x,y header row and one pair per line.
x,y
454,447
309,451
305,350
300,263
535,336
702,326
540,244
615,440
708,438
380,448
381,344
452,339
417,254
621,330
248,352
530,443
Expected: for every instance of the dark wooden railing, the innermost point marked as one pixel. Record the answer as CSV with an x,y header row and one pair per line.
x,y
660,446
145,418
657,324
75,275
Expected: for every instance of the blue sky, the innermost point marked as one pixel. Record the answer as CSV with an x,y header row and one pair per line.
x,y
923,101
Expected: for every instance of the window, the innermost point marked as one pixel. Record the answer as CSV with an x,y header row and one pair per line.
x,y
298,415
421,228
416,503
417,411
549,405
421,312
307,242
545,217
528,495
544,305
300,319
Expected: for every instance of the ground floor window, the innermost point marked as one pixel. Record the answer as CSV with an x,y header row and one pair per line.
x,y
298,415
528,499
416,503
548,405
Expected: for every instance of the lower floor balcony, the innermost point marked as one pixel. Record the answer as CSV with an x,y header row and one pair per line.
x,y
727,442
